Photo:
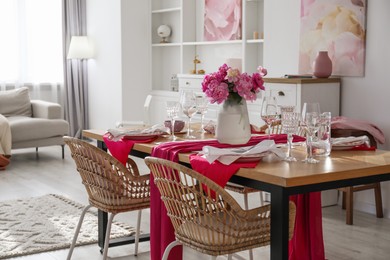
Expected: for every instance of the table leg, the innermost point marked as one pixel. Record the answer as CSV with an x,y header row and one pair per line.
x,y
279,224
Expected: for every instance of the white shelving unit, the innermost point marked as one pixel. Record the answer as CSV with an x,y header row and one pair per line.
x,y
186,19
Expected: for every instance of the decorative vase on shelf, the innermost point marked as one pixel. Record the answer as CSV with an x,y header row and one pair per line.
x,y
233,122
322,65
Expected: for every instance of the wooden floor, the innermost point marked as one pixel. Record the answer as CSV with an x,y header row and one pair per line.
x,y
32,174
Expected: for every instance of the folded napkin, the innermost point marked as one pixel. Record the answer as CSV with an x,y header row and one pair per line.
x,y
352,143
228,155
118,133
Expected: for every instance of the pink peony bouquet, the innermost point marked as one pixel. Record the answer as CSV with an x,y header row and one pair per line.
x,y
229,84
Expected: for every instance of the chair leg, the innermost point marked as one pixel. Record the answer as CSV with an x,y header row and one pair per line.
x,y
349,205
107,238
169,248
76,233
63,151
378,200
36,149
246,205
137,232
343,203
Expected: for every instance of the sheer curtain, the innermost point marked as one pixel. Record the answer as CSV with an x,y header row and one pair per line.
x,y
75,71
31,42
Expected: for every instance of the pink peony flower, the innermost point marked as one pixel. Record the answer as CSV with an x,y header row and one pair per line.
x,y
230,83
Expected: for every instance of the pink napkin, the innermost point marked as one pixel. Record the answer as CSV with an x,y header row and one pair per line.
x,y
216,171
120,149
161,229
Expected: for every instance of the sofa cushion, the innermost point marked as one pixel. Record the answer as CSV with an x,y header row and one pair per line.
x,y
27,128
15,102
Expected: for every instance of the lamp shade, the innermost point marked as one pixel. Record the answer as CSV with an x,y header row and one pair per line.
x,y
80,48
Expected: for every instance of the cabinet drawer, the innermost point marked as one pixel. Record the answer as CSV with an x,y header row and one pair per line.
x,y
286,94
190,84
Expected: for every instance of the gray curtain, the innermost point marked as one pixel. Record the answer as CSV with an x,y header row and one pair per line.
x,y
75,71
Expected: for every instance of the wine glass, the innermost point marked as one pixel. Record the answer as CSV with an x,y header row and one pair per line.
x,y
269,112
290,123
173,108
188,105
201,105
311,118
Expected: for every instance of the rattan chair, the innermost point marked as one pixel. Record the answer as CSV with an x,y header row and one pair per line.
x,y
205,216
111,187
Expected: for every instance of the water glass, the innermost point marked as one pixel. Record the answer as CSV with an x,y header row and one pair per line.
x,y
290,123
188,106
322,145
201,106
311,122
173,108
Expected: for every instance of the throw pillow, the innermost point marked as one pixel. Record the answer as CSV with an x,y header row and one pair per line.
x,y
15,102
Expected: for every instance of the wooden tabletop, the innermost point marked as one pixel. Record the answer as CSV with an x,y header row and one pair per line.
x,y
339,165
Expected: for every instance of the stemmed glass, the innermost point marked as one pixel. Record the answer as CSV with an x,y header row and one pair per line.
x,y
201,105
188,105
290,123
311,117
173,108
269,112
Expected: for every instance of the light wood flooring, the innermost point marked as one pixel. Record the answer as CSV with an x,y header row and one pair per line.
x,y
35,174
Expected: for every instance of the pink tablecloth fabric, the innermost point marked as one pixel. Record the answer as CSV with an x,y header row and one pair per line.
x,y
161,229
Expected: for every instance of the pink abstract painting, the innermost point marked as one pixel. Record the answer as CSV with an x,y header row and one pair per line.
x,y
222,20
336,26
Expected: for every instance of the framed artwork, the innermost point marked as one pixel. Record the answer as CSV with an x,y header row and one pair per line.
x,y
336,26
222,20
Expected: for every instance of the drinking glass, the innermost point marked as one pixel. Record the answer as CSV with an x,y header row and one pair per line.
x,y
269,112
201,105
188,105
311,118
173,108
290,123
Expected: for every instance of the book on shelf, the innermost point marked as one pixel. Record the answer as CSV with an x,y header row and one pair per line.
x,y
298,76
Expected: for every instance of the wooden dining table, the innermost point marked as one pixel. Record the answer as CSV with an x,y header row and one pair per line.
x,y
282,179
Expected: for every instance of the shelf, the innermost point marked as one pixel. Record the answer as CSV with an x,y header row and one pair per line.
x,y
255,41
167,10
170,44
213,42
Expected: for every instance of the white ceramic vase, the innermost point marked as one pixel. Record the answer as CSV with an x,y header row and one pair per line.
x,y
233,123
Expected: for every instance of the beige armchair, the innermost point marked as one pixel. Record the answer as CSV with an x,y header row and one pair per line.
x,y
34,123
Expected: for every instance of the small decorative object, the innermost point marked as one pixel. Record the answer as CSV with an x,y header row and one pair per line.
x,y
195,61
322,65
164,31
174,83
233,89
255,35
201,72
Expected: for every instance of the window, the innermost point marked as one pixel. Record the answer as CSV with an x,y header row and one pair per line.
x,y
31,41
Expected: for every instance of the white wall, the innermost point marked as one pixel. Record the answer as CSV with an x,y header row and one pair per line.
x,y
365,98
105,70
119,76
136,80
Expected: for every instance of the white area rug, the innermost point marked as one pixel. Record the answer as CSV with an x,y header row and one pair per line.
x,y
47,223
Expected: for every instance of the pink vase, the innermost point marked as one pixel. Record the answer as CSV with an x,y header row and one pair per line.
x,y
322,65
